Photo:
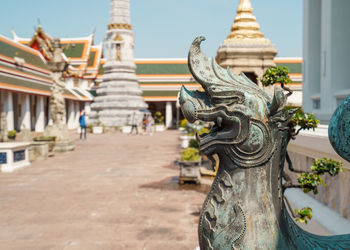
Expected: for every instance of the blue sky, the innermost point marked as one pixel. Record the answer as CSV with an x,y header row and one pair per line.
x,y
163,28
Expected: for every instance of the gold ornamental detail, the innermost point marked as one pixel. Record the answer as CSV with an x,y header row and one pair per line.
x,y
124,26
245,24
118,38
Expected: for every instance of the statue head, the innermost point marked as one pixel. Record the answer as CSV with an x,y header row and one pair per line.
x,y
239,109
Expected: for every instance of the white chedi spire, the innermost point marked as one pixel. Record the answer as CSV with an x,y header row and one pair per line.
x,y
119,96
120,12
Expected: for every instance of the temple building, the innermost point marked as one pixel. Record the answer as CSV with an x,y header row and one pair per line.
x,y
26,80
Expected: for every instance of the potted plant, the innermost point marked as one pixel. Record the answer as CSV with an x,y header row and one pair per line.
x,y
189,166
159,122
98,129
89,128
12,134
126,129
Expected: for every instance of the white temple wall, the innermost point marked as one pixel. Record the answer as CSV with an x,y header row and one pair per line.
x,y
325,84
69,82
83,84
326,52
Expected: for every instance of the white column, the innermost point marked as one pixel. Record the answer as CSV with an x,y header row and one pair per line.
x,y
49,114
25,112
168,114
87,108
327,100
311,55
71,115
40,115
77,115
9,111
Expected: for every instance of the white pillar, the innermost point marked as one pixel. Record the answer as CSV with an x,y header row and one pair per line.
x,y
40,115
87,107
71,114
25,112
9,111
77,115
168,114
50,122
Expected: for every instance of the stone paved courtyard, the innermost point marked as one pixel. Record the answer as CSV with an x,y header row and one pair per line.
x,y
113,192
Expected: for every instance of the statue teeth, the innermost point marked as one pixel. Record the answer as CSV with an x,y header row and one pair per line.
x,y
219,121
197,137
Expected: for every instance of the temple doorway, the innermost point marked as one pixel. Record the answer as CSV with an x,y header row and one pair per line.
x,y
252,76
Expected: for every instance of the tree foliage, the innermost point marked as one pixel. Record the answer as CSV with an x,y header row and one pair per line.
x,y
274,75
304,120
303,214
308,181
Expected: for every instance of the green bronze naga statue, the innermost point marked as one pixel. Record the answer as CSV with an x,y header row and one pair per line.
x,y
244,208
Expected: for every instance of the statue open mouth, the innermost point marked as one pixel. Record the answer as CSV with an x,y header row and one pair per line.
x,y
227,123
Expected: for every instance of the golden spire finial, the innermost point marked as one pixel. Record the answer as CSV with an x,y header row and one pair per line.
x,y
245,25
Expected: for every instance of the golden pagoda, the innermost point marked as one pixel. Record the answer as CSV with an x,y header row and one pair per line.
x,y
246,49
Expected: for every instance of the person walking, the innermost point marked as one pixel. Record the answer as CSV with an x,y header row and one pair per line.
x,y
134,124
144,123
150,122
82,122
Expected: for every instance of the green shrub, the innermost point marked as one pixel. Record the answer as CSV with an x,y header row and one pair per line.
x,y
190,154
12,133
158,118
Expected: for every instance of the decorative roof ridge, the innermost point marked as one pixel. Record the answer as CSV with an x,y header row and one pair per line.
x,y
17,39
24,47
67,39
99,48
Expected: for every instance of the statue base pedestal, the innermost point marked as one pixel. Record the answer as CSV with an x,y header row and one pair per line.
x,y
63,143
64,146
